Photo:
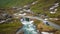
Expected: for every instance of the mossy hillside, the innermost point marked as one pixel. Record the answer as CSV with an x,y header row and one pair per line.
x,y
43,7
14,3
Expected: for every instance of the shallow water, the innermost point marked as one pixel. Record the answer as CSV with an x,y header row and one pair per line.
x,y
29,27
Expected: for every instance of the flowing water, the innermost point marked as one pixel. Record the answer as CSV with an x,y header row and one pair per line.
x,y
29,27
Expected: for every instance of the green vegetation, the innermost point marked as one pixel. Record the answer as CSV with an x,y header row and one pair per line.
x,y
13,3
10,27
43,7
56,21
36,22
42,27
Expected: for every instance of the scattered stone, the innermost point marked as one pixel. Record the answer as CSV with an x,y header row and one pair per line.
x,y
53,8
46,33
52,12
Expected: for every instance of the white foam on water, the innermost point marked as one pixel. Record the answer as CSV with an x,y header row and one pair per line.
x,y
28,27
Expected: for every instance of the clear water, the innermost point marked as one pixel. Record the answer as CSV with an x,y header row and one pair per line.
x,y
29,27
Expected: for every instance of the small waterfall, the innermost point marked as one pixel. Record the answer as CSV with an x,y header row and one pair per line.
x,y
28,26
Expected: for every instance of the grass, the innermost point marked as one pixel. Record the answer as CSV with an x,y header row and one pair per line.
x,y
41,25
42,7
14,3
56,22
44,28
10,27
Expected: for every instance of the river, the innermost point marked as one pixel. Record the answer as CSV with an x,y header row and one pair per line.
x,y
28,27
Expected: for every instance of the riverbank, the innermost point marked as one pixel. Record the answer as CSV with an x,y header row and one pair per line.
x,y
10,28
44,28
